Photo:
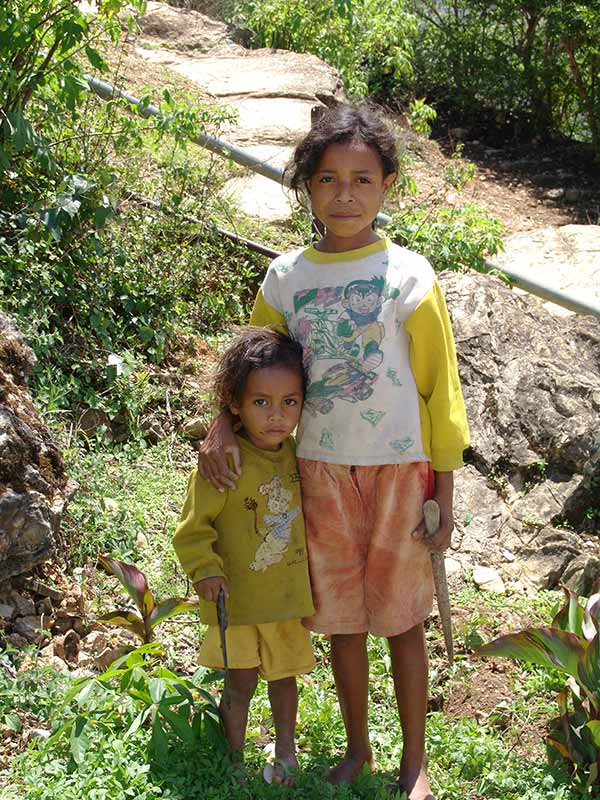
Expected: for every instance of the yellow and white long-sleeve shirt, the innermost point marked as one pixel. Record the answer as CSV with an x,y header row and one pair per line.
x,y
253,535
383,384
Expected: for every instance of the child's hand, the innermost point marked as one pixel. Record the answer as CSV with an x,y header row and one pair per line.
x,y
212,458
443,495
208,589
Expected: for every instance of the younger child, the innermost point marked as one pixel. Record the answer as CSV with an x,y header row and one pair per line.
x,y
250,542
382,429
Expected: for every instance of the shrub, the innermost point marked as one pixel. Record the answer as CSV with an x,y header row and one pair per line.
x,y
451,238
369,43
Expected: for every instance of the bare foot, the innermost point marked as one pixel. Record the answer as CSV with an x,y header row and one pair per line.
x,y
282,767
238,771
350,768
415,784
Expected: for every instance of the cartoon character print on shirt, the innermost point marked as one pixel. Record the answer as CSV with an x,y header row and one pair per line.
x,y
278,523
342,324
358,326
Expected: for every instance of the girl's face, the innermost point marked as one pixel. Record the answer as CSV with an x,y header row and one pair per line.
x,y
346,193
270,406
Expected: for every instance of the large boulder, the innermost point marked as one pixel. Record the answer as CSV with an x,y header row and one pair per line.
x,y
528,502
33,483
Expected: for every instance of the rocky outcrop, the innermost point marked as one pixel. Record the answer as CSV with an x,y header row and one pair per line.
x,y
33,483
528,501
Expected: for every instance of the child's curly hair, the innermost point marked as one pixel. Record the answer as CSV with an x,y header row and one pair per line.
x,y
254,348
343,123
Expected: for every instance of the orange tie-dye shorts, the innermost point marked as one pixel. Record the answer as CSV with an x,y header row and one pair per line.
x,y
367,572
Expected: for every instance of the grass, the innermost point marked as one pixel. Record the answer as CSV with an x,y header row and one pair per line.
x,y
469,759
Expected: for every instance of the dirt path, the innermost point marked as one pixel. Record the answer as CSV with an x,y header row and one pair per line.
x,y
526,187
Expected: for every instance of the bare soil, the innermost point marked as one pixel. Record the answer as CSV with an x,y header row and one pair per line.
x,y
525,185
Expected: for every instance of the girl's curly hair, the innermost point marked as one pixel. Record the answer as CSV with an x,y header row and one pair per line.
x,y
342,123
254,348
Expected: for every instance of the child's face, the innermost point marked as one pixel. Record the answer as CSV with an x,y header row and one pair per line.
x,y
346,193
270,406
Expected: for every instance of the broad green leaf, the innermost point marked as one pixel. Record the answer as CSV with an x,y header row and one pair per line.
x,y
159,740
79,740
69,204
181,726
594,726
133,580
549,647
101,214
49,218
13,722
138,721
95,59
157,688
570,616
125,619
170,608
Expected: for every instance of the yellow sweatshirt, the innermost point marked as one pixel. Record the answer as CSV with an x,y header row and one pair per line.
x,y
253,535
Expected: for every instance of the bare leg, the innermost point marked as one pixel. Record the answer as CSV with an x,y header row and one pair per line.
x,y
351,671
283,696
235,716
410,670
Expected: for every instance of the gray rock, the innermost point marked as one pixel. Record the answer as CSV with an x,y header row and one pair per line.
x,y
24,606
517,363
33,484
581,573
530,382
545,502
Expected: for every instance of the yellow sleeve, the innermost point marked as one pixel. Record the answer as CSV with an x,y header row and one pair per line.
x,y
264,315
195,535
434,365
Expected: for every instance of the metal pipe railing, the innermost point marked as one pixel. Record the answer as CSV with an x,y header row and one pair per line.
x,y
246,159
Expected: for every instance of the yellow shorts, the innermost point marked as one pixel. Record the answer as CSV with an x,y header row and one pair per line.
x,y
278,649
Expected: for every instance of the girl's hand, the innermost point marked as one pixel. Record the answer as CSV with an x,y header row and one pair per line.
x,y
212,458
443,495
208,589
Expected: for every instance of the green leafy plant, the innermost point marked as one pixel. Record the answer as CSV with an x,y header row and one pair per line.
x,y
451,238
570,644
368,43
137,691
149,613
459,171
421,116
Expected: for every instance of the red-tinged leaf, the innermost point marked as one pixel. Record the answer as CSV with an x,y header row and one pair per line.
x,y
125,619
589,672
591,616
560,747
133,580
570,616
549,647
170,608
563,707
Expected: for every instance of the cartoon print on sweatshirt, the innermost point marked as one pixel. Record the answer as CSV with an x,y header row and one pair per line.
x,y
341,323
278,523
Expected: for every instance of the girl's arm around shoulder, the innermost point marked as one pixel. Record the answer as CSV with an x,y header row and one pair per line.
x,y
196,533
435,368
